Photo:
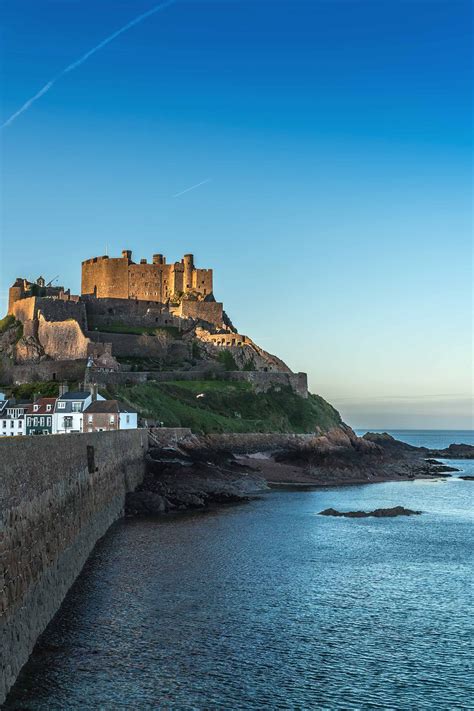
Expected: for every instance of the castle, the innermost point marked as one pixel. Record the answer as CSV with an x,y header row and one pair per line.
x,y
184,290
120,278
163,314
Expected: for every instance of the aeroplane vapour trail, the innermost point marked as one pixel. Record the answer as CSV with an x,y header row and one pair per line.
x,y
81,60
193,187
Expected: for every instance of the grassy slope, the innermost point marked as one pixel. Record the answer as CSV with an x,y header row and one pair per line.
x,y
228,407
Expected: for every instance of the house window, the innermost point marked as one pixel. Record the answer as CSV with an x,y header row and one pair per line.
x,y
12,424
35,408
48,421
41,421
90,418
20,424
48,408
76,406
61,405
112,419
4,424
67,422
128,418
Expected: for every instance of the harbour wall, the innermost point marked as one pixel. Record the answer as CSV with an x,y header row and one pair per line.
x,y
58,496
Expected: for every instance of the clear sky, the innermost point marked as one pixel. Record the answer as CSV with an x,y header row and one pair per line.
x,y
335,139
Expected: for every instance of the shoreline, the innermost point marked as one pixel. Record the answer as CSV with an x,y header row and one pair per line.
x,y
197,472
292,477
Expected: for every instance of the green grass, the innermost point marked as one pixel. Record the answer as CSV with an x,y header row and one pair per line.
x,y
171,331
228,407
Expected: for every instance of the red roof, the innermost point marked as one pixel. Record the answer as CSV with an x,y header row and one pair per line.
x,y
42,404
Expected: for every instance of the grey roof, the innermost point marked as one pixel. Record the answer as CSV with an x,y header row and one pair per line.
x,y
78,395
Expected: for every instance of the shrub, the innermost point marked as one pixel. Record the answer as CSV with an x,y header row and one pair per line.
x,y
226,358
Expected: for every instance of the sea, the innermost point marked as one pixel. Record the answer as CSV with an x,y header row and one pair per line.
x,y
267,605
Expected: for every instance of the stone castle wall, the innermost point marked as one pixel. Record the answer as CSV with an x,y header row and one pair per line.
x,y
142,346
25,309
58,496
129,312
62,340
41,371
52,310
210,311
104,277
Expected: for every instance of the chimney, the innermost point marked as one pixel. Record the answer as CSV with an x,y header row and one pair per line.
x,y
63,388
126,254
93,389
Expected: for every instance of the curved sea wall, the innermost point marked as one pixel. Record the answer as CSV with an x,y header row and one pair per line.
x,y
58,496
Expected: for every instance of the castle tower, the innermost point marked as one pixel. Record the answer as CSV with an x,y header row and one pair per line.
x,y
15,293
188,262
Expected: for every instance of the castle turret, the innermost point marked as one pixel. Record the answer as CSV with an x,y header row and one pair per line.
x,y
127,254
158,259
188,262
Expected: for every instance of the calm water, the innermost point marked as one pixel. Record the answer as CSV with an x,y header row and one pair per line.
x,y
267,605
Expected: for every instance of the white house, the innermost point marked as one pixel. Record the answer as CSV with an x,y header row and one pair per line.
x,y
105,415
12,417
69,411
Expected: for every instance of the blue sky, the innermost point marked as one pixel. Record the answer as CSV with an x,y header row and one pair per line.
x,y
336,137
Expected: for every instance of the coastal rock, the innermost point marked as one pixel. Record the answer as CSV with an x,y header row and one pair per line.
x,y
145,503
467,477
190,476
377,513
454,451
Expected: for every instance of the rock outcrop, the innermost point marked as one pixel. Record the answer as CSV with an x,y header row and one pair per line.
x,y
189,476
377,513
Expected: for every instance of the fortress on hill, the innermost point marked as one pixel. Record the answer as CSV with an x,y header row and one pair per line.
x,y
132,321
186,291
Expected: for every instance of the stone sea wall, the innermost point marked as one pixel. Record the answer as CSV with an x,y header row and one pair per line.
x,y
58,496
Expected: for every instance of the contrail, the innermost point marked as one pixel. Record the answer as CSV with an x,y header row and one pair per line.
x,y
193,187
86,56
